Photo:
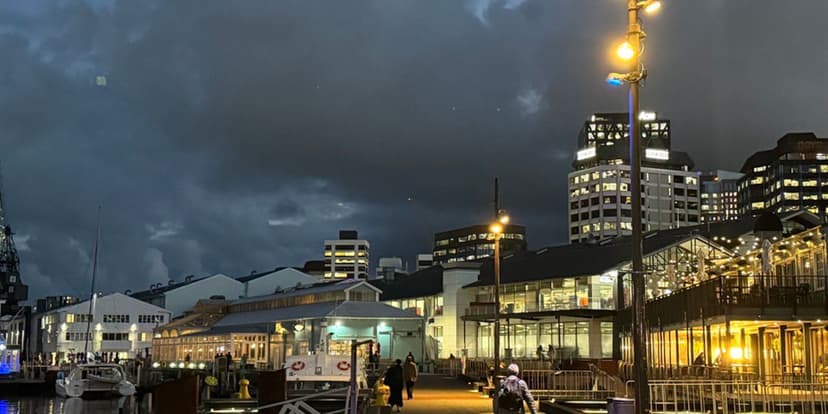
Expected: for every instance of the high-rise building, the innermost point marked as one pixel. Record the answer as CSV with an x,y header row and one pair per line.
x,y
789,177
476,242
599,186
424,260
347,257
719,197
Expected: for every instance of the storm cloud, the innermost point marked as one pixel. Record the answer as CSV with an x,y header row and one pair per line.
x,y
235,136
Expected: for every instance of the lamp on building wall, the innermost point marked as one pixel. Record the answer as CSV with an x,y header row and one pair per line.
x,y
299,327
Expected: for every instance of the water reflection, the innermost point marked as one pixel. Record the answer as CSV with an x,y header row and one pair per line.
x,y
68,406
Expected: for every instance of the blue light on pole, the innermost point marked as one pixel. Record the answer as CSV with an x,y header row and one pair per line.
x,y
615,81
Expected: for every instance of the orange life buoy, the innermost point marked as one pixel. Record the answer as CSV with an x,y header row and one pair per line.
x,y
297,366
343,365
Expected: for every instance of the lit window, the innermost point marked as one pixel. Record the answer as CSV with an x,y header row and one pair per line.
x,y
610,186
757,180
809,183
758,205
760,168
791,196
691,180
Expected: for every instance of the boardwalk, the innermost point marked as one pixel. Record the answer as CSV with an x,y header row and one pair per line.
x,y
439,394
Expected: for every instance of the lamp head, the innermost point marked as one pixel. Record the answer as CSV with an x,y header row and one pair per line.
x,y
496,228
650,6
616,79
625,51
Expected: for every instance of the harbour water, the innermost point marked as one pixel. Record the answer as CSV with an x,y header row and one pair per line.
x,y
56,405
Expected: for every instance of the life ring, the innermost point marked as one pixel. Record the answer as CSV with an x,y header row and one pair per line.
x,y
297,366
343,365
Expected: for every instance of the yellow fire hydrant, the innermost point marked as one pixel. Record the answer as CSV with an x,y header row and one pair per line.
x,y
381,393
244,393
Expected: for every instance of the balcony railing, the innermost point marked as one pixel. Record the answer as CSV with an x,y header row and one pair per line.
x,y
719,295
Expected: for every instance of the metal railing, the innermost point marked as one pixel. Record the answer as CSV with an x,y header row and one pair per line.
x,y
300,405
733,397
582,385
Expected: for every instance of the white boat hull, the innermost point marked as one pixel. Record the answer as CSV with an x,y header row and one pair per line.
x,y
80,385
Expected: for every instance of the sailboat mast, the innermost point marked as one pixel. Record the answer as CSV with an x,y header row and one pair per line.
x,y
92,287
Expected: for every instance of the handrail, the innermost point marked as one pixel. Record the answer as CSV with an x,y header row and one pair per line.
x,y
305,398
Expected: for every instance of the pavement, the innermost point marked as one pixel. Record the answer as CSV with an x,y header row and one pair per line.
x,y
449,395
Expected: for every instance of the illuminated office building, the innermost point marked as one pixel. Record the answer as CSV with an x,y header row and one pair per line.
x,y
719,196
789,177
599,187
347,257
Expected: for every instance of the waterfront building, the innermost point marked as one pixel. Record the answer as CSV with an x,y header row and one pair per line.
x,y
475,242
346,257
120,325
719,196
295,321
789,177
761,314
599,185
436,295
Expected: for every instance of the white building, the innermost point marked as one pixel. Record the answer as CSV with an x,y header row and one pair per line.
x,y
120,325
182,296
347,257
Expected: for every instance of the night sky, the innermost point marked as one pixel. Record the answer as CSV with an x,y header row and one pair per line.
x,y
233,136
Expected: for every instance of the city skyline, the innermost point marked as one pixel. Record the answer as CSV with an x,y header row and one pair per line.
x,y
210,158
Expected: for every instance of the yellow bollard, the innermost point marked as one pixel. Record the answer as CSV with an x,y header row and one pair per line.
x,y
244,393
381,392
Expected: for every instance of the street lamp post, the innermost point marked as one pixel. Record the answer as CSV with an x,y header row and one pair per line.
x,y
497,228
631,51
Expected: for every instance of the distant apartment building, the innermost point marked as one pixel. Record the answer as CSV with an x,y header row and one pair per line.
x,y
789,177
347,257
475,242
719,196
599,185
424,260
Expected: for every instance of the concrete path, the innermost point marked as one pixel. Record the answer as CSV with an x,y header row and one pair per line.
x,y
439,394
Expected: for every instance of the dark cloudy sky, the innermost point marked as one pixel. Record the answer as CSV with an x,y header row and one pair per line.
x,y
238,135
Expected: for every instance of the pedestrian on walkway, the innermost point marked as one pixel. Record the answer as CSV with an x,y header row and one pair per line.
x,y
410,376
394,380
511,394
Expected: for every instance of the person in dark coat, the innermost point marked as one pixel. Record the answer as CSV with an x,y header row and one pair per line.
x,y
410,376
394,380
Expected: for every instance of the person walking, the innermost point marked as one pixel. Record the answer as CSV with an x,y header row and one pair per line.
x,y
512,393
410,376
394,380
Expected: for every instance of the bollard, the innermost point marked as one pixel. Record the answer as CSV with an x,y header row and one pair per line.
x,y
381,392
244,394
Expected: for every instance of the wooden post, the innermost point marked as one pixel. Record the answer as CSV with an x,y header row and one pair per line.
x,y
272,389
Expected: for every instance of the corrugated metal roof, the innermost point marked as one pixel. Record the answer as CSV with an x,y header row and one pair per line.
x,y
317,288
311,311
314,311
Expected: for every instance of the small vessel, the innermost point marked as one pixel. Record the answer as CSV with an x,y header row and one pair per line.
x,y
88,379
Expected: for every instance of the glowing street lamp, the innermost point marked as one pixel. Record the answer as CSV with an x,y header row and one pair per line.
x,y
631,51
497,228
625,51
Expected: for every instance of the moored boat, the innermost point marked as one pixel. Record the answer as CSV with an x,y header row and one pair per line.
x,y
102,379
